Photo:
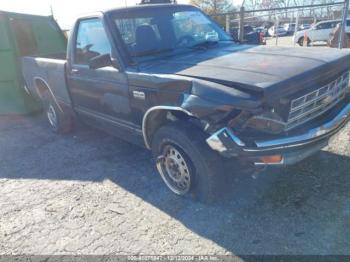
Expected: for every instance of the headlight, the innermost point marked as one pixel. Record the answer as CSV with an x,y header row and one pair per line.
x,y
268,122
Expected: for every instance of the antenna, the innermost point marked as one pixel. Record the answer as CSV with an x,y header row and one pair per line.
x,y
51,11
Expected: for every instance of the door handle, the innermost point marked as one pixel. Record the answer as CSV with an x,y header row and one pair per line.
x,y
75,71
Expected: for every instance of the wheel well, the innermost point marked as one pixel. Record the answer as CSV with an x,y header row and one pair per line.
x,y
44,91
41,87
157,118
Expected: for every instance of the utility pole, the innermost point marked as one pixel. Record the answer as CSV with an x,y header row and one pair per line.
x,y
277,25
241,23
296,25
227,24
343,23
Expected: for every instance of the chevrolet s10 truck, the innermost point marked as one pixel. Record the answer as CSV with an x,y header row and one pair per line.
x,y
169,78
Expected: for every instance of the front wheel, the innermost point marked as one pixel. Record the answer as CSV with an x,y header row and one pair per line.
x,y
186,163
176,169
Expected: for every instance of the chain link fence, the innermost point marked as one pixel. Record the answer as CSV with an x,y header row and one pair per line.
x,y
308,25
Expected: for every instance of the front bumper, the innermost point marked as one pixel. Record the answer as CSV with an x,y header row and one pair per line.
x,y
291,149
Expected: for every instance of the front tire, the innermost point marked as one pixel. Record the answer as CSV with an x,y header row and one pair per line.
x,y
186,163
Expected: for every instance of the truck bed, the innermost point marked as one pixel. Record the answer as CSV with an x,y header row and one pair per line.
x,y
58,56
48,71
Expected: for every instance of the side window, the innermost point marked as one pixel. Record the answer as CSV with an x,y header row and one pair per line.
x,y
327,25
320,26
91,41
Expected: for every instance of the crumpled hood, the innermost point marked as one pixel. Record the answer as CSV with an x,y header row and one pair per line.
x,y
257,68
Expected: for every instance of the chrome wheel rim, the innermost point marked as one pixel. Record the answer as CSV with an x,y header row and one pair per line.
x,y
51,116
174,170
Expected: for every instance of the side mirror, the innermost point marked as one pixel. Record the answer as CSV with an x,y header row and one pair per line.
x,y
100,61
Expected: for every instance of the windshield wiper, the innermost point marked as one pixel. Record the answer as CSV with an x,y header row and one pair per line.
x,y
152,52
204,44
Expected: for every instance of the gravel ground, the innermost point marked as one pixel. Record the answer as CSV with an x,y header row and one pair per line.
x,y
89,193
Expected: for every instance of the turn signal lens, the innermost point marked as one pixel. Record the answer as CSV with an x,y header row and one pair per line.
x,y
271,159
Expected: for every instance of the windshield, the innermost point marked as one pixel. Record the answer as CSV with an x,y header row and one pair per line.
x,y
153,32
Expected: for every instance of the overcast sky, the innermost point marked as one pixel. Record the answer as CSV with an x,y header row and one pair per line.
x,y
65,11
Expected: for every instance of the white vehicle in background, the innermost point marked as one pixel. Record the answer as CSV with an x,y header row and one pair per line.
x,y
290,28
279,32
318,32
304,26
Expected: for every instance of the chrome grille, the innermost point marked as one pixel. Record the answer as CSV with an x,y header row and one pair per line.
x,y
317,102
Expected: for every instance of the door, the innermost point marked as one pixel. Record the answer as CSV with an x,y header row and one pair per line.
x,y
99,96
347,26
322,31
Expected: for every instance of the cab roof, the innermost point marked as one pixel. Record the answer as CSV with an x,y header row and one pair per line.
x,y
137,8
146,7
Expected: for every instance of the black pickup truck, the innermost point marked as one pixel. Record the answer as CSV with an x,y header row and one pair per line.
x,y
168,78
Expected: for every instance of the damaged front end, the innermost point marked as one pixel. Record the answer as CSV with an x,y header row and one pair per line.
x,y
285,150
241,125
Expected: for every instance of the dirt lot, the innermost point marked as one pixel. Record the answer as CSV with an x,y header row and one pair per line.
x,y
89,193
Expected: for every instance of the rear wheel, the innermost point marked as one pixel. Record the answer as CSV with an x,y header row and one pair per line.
x,y
60,120
52,116
301,41
186,163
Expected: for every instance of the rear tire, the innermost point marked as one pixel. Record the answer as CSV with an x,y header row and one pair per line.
x,y
301,41
60,120
186,163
